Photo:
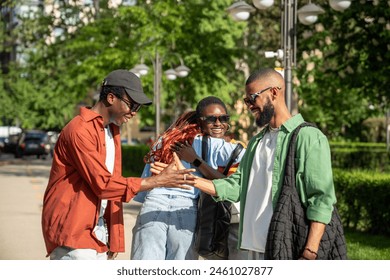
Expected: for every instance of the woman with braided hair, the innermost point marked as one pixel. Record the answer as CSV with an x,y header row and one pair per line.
x,y
165,226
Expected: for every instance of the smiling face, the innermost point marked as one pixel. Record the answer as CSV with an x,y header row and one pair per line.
x,y
213,126
120,112
261,107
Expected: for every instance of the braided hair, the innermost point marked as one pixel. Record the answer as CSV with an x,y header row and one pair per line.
x,y
185,128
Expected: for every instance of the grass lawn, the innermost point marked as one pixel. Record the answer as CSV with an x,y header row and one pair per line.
x,y
363,246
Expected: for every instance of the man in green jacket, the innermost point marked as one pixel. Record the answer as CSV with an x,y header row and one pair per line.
x,y
259,178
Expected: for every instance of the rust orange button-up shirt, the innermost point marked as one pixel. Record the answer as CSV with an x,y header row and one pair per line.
x,y
78,181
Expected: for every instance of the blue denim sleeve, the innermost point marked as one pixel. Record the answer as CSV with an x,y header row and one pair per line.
x,y
221,151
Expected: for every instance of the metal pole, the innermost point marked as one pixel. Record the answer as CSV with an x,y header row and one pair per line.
x,y
289,38
157,91
388,130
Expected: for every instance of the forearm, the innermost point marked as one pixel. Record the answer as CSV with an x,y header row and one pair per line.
x,y
167,176
187,153
316,232
205,185
208,172
148,183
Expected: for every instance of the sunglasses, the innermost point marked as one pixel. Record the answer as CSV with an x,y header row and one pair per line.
x,y
213,119
252,97
133,106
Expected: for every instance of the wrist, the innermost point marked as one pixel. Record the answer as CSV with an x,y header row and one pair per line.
x,y
197,162
309,254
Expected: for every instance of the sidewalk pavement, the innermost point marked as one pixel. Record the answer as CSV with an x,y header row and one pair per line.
x,y
22,185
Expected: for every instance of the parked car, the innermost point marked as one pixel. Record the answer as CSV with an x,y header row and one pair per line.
x,y
2,144
33,142
8,138
10,144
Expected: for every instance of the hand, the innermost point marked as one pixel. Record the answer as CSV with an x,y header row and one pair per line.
x,y
178,163
184,151
157,167
111,255
308,255
171,175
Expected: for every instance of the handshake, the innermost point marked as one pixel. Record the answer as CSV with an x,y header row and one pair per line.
x,y
175,175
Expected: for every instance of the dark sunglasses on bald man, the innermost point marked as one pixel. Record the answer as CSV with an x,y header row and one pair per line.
x,y
252,97
213,119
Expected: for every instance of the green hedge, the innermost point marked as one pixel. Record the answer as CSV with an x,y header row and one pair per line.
x,y
372,156
363,196
133,160
364,200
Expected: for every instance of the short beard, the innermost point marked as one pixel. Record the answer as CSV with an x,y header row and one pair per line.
x,y
265,117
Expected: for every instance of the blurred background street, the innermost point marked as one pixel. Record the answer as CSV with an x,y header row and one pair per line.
x,y
22,185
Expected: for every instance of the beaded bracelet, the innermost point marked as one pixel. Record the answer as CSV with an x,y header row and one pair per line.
x,y
311,251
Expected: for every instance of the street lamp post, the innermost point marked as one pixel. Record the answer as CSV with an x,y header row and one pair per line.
x,y
289,21
308,14
171,74
157,91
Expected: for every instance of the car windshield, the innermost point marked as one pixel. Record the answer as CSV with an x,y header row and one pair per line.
x,y
35,136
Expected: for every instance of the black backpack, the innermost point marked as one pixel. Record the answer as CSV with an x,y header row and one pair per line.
x,y
213,219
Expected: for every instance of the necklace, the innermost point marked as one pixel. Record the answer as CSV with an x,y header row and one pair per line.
x,y
273,129
272,136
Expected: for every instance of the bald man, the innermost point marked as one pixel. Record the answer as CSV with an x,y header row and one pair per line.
x,y
259,178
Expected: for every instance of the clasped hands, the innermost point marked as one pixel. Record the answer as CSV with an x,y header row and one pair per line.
x,y
183,176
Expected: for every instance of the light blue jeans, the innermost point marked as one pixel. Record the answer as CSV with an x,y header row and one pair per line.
x,y
165,228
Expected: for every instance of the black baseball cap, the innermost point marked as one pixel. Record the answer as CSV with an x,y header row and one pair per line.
x,y
130,82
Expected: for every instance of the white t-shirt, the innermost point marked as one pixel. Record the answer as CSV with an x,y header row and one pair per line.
x,y
258,207
100,229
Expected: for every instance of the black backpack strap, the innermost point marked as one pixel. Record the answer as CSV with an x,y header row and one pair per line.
x,y
293,139
289,171
237,150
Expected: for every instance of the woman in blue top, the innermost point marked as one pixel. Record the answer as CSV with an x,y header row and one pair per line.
x,y
165,226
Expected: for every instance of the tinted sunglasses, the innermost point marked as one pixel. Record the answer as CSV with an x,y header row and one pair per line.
x,y
252,97
133,106
213,119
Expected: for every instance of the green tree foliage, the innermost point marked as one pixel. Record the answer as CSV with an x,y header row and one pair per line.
x,y
340,75
342,62
37,84
343,67
5,55
65,70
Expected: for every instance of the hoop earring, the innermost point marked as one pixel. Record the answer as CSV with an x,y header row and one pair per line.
x,y
228,127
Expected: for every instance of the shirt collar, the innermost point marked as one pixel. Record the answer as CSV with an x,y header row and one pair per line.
x,y
88,115
292,123
288,126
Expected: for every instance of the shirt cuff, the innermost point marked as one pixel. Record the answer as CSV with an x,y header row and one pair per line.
x,y
133,187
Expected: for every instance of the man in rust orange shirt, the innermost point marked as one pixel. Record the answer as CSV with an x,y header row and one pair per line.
x,y
82,215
